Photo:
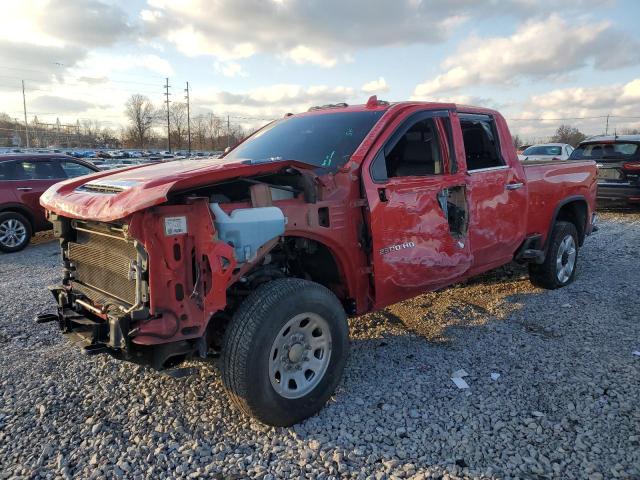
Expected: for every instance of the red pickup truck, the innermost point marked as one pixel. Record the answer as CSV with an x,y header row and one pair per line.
x,y
261,255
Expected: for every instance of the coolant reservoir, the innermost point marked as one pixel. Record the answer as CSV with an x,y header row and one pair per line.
x,y
247,229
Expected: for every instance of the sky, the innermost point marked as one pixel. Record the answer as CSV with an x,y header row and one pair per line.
x,y
540,62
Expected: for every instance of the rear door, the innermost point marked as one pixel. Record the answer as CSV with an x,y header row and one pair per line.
x,y
33,177
417,208
497,192
7,188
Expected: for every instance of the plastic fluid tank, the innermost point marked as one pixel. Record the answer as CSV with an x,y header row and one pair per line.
x,y
247,229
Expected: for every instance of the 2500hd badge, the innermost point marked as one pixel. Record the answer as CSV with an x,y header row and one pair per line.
x,y
397,247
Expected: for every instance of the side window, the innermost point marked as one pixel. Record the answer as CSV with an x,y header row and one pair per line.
x,y
481,144
39,170
7,171
73,169
417,152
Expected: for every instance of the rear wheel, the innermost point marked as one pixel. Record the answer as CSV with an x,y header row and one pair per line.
x,y
15,232
284,351
559,266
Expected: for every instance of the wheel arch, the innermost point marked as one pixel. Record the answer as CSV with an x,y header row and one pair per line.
x,y
575,210
22,210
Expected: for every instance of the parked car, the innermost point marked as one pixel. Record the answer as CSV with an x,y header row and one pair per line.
x,y
618,162
546,151
333,212
23,178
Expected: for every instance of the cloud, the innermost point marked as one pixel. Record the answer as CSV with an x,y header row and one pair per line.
x,y
230,69
375,86
256,106
93,80
618,99
86,23
584,107
538,49
60,105
303,54
22,60
473,100
320,33
96,64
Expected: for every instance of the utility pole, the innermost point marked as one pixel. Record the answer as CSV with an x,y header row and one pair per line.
x,y
166,86
228,133
188,118
24,104
606,132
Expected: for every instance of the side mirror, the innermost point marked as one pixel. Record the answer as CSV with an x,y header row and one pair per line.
x,y
227,150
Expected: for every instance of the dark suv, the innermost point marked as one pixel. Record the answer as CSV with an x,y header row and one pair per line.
x,y
618,161
23,178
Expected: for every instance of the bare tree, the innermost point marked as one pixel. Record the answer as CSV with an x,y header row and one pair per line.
x,y
178,122
517,142
214,130
568,134
199,129
141,114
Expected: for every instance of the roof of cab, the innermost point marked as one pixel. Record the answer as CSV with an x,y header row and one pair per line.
x,y
380,105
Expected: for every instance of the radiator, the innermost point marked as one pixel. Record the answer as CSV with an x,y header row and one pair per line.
x,y
103,265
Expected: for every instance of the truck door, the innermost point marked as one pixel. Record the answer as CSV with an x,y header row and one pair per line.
x,y
418,210
497,193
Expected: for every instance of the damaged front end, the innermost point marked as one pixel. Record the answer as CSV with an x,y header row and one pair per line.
x,y
104,301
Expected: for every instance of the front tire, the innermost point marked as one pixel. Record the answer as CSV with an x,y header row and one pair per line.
x,y
15,232
559,266
285,350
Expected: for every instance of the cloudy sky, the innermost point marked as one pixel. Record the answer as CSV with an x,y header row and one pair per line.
x,y
256,59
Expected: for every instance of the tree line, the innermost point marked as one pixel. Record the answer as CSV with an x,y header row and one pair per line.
x,y
146,128
208,131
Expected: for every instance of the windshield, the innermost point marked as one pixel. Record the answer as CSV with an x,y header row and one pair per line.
x,y
589,151
325,140
543,150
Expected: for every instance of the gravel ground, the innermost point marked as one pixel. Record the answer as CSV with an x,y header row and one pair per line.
x,y
566,404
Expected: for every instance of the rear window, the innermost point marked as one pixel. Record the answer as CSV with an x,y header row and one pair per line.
x,y
588,151
543,150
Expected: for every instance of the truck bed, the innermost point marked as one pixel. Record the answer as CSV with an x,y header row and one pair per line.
x,y
550,184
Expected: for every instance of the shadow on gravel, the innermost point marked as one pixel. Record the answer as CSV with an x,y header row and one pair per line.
x,y
435,315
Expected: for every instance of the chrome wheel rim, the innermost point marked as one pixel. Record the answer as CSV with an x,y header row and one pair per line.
x,y
566,259
12,233
300,355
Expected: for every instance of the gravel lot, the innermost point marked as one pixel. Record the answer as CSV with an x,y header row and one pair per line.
x,y
566,404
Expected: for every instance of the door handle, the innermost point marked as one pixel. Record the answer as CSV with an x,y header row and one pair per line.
x,y
24,189
513,186
382,194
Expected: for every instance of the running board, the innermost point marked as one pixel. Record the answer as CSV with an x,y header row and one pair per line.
x,y
529,251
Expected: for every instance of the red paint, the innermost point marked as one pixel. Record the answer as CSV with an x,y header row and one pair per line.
x,y
407,216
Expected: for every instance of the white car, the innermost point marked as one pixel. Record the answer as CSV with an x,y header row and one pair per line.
x,y
547,151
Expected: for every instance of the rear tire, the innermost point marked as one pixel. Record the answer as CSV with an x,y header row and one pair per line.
x,y
559,266
15,232
284,351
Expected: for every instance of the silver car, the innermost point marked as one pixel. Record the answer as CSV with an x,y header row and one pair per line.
x,y
547,151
